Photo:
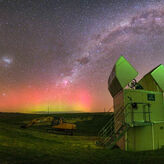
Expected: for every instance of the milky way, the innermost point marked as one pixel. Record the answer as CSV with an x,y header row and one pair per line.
x,y
59,54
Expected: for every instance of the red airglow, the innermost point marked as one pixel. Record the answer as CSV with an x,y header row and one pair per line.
x,y
20,98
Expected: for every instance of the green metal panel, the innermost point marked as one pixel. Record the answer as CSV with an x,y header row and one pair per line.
x,y
125,72
158,76
149,84
137,114
154,80
146,137
142,110
122,74
146,133
160,132
140,139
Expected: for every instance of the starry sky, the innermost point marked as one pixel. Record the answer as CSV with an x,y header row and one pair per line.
x,y
57,55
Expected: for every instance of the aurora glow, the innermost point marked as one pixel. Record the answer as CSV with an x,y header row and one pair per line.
x,y
39,99
57,54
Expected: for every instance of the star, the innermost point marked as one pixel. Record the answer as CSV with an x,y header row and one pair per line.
x,y
65,49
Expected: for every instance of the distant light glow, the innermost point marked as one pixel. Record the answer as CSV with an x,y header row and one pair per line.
x,y
3,94
38,99
6,61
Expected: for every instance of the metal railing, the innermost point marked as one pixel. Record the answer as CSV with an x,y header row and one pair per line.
x,y
118,121
133,113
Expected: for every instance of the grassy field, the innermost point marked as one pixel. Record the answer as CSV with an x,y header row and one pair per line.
x,y
35,145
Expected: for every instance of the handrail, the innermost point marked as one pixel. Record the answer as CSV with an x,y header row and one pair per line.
x,y
110,133
143,112
115,115
109,123
109,129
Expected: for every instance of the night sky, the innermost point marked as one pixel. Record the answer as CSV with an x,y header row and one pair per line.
x,y
58,54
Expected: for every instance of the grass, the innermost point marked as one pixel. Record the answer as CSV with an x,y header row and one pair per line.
x,y
35,145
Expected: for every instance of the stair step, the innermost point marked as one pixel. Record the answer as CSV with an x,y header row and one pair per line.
x,y
110,141
108,135
116,128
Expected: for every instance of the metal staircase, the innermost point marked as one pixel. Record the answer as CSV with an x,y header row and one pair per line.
x,y
110,134
116,127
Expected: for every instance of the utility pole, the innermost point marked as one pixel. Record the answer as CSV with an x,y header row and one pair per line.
x,y
48,109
